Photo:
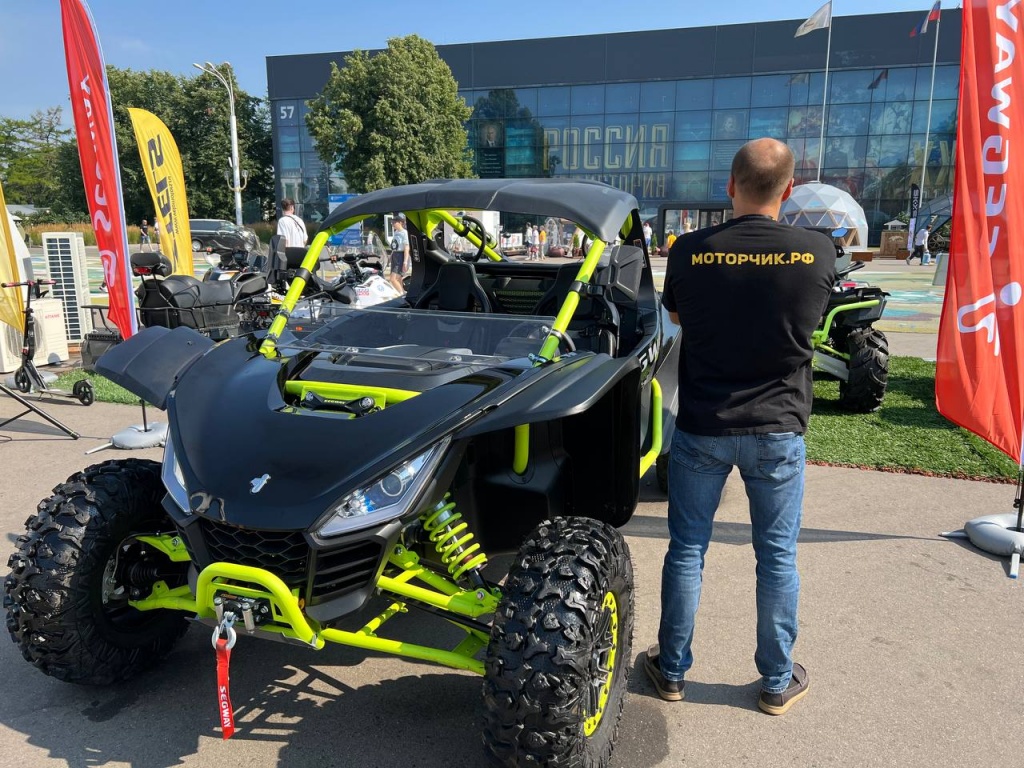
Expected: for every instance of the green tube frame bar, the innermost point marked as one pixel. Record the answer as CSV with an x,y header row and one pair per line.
x,y
819,336
656,429
256,583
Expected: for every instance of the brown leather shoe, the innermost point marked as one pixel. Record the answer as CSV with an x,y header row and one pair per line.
x,y
669,690
779,703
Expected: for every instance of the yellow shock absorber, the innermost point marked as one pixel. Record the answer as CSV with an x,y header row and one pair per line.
x,y
452,540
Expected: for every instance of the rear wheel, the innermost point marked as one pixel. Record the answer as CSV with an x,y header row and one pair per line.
x,y
557,663
84,392
78,566
864,390
22,381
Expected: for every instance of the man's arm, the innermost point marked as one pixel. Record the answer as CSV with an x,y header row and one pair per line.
x,y
674,317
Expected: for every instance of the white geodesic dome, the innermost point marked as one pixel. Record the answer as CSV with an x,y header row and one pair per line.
x,y
821,205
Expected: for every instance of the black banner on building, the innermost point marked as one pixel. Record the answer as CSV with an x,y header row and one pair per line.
x,y
915,206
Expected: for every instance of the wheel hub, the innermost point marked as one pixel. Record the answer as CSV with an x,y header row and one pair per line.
x,y
602,665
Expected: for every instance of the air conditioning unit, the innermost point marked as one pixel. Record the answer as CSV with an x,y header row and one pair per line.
x,y
51,339
66,261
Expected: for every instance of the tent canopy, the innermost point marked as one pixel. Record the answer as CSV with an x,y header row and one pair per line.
x,y
821,205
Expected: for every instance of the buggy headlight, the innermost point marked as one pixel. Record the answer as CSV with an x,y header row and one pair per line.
x,y
173,479
389,497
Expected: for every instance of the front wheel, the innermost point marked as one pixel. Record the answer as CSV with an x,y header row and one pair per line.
x,y
80,564
22,381
864,388
559,655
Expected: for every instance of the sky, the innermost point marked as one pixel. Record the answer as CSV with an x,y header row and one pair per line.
x,y
172,34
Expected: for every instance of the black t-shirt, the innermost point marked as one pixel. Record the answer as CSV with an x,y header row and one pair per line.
x,y
748,293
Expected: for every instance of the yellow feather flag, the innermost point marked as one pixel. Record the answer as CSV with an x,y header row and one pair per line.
x,y
162,164
11,308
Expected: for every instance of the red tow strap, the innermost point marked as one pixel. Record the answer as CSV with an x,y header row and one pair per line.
x,y
225,711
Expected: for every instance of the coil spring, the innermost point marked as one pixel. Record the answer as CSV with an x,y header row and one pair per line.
x,y
452,538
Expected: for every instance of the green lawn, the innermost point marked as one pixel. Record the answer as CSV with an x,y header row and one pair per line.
x,y
906,434
106,390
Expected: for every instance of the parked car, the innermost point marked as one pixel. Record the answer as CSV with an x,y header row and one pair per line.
x,y
222,236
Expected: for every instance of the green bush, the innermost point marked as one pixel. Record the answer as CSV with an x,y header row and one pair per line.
x,y
264,230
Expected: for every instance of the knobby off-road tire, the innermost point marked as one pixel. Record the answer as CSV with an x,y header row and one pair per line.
x,y
54,593
864,390
549,642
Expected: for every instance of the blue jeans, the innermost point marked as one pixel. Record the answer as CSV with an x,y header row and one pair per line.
x,y
772,468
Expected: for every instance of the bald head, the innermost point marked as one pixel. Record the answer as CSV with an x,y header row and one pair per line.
x,y
762,171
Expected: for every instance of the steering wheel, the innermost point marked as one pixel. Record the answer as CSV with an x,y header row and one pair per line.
x,y
533,332
474,225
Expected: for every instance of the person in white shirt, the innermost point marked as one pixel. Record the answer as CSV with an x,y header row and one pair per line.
x,y
290,226
921,245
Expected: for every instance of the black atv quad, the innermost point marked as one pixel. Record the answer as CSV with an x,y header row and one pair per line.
x,y
847,346
500,407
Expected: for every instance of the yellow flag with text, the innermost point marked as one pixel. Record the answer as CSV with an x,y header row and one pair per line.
x,y
10,298
162,164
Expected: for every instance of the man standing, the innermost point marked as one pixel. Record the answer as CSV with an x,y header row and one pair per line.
x,y
920,244
290,226
744,401
144,236
399,252
648,233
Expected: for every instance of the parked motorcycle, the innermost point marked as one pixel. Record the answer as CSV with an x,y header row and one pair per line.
x,y
210,307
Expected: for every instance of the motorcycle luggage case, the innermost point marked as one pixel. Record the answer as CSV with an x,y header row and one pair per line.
x,y
95,344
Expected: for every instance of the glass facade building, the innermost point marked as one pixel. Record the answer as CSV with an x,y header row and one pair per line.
x,y
660,114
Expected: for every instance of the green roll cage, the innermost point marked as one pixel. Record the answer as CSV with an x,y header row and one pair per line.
x,y
426,221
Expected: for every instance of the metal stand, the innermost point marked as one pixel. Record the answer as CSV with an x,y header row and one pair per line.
x,y
1018,504
30,408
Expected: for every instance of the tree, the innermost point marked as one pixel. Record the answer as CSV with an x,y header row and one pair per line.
x,y
28,157
195,110
391,118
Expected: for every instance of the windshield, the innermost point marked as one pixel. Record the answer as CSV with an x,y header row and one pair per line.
x,y
456,338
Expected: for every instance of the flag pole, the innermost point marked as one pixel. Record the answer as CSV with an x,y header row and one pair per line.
x,y
824,99
931,92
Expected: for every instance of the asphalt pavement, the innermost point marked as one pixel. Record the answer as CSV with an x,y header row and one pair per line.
x,y
913,645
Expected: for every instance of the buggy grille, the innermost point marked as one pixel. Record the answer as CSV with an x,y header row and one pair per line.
x,y
346,568
336,571
284,553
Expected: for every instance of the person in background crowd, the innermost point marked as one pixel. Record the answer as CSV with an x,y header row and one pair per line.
x,y
399,253
648,233
671,239
921,245
144,244
290,226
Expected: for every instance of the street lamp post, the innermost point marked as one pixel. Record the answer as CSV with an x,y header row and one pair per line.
x,y
236,184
